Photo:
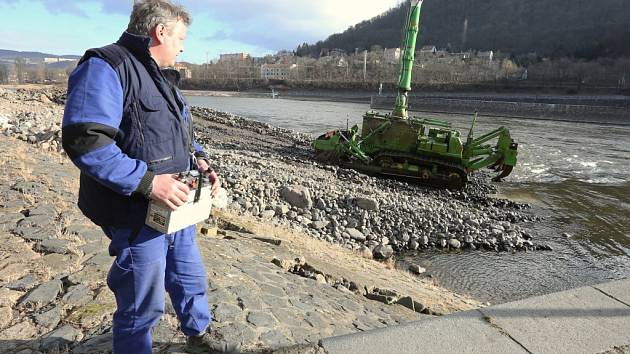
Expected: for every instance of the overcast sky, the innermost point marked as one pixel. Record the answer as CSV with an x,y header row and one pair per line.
x,y
219,26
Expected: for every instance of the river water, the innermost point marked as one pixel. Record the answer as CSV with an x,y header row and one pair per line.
x,y
576,175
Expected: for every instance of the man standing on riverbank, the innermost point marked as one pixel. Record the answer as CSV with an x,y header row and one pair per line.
x,y
128,130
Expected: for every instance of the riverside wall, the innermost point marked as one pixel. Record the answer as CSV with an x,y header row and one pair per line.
x,y
584,113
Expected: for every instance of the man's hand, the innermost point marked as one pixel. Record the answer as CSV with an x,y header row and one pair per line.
x,y
169,191
214,179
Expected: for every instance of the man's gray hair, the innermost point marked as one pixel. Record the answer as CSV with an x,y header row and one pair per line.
x,y
147,14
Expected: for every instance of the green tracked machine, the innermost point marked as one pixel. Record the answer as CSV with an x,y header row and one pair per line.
x,y
425,150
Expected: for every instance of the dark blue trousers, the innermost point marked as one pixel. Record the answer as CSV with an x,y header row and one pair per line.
x,y
138,277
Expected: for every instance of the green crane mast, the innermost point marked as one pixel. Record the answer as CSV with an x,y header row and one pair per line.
x,y
406,61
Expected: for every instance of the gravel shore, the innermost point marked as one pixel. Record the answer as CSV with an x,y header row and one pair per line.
x,y
270,173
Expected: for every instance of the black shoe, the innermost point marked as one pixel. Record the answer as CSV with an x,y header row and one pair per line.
x,y
211,342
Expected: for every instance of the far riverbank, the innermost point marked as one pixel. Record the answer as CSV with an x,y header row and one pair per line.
x,y
600,109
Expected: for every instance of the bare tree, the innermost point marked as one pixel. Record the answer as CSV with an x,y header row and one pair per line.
x,y
41,73
20,69
4,74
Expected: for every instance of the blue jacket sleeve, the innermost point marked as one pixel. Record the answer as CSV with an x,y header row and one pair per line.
x,y
91,120
198,147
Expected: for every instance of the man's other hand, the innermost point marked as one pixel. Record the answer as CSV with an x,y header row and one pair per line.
x,y
214,178
169,191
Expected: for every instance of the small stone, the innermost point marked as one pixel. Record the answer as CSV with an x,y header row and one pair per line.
x,y
383,252
78,295
248,302
89,274
44,99
365,252
281,209
352,223
60,339
24,284
320,204
282,263
50,318
261,319
407,302
52,246
411,304
268,214
100,259
566,234
42,295
381,298
454,243
226,312
297,196
355,234
416,269
95,312
366,203
209,231
318,225
320,278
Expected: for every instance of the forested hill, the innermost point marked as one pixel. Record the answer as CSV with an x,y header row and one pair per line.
x,y
582,28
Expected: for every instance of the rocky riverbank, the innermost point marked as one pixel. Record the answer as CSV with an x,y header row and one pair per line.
x,y
271,174
272,288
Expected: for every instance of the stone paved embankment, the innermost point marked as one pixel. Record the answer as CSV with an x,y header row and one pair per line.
x,y
592,319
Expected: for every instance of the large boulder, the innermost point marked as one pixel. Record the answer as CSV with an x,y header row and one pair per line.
x,y
366,203
355,234
454,243
297,196
383,252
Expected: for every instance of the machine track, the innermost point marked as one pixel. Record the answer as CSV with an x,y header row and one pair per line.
x,y
434,172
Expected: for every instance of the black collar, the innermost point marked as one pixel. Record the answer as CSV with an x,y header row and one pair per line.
x,y
171,75
138,45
